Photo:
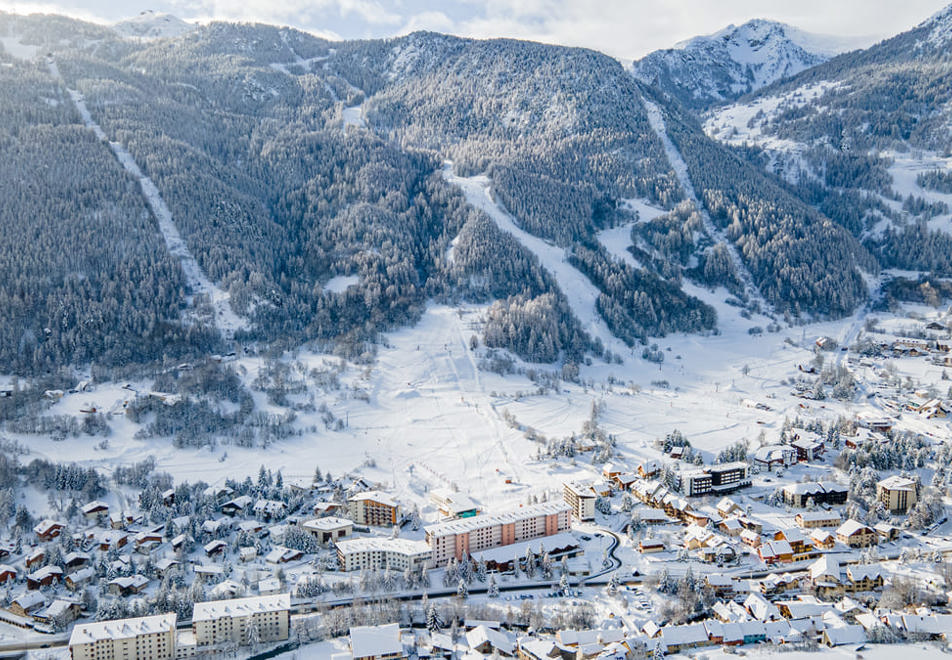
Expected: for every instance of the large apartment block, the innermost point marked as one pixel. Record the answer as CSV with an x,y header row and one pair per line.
x,y
373,508
716,479
461,538
380,553
221,621
144,638
898,494
581,498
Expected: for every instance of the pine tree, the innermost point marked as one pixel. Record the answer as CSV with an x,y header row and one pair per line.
x,y
493,589
462,591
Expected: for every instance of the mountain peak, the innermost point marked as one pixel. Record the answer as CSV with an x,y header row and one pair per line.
x,y
736,60
152,25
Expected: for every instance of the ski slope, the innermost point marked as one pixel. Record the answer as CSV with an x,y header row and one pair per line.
x,y
225,319
681,171
578,289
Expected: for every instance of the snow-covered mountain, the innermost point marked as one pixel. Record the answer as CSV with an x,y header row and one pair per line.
x,y
737,60
152,25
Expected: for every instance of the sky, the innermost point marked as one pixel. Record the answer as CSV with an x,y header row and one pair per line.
x,y
625,29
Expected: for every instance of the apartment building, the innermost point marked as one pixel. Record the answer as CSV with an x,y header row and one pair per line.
x,y
380,553
230,621
374,508
143,638
461,538
715,479
581,498
898,494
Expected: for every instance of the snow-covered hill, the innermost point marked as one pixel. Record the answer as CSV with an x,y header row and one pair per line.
x,y
152,25
737,60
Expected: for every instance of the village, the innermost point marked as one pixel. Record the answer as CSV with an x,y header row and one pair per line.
x,y
824,532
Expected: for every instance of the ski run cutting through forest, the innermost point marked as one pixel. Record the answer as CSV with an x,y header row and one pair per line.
x,y
226,320
681,171
579,291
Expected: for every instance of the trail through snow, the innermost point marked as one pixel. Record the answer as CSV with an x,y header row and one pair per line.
x,y
681,171
578,289
225,318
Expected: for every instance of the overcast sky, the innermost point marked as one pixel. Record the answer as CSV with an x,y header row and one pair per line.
x,y
626,29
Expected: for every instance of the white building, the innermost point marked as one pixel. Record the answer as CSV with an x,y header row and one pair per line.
x,y
378,553
220,621
581,498
329,528
145,638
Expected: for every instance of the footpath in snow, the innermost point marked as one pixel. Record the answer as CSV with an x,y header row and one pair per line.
x,y
681,171
226,319
578,289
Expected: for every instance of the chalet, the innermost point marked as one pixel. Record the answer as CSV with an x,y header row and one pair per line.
x,y
675,639
168,497
148,539
165,565
807,449
610,470
649,469
776,584
219,492
247,553
815,519
73,560
721,585
35,558
270,509
207,572
773,552
253,527
111,538
761,609
282,555
327,509
934,408
213,548
851,634
646,546
731,527
887,532
485,640
7,573
47,530
864,577
726,507
624,481
750,538
179,541
238,505
94,509
78,579
775,456
856,535
800,545
26,603
44,577
59,611
127,585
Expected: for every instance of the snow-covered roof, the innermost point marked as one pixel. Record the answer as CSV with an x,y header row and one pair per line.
x,y
453,527
375,641
213,610
382,544
851,527
896,482
89,633
374,495
328,523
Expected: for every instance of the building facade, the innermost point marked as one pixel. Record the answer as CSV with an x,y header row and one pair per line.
x,y
898,494
144,638
373,508
380,553
461,538
241,619
581,498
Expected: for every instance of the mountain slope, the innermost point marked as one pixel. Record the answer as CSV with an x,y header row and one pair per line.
x,y
866,138
710,70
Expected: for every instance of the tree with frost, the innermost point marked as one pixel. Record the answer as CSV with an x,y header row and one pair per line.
x,y
493,590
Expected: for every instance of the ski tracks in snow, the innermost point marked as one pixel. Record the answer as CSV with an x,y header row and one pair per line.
x,y
225,318
578,289
681,171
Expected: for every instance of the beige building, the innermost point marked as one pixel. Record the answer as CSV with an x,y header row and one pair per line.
x,y
231,621
145,638
378,553
856,535
466,536
373,508
581,498
329,528
898,494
